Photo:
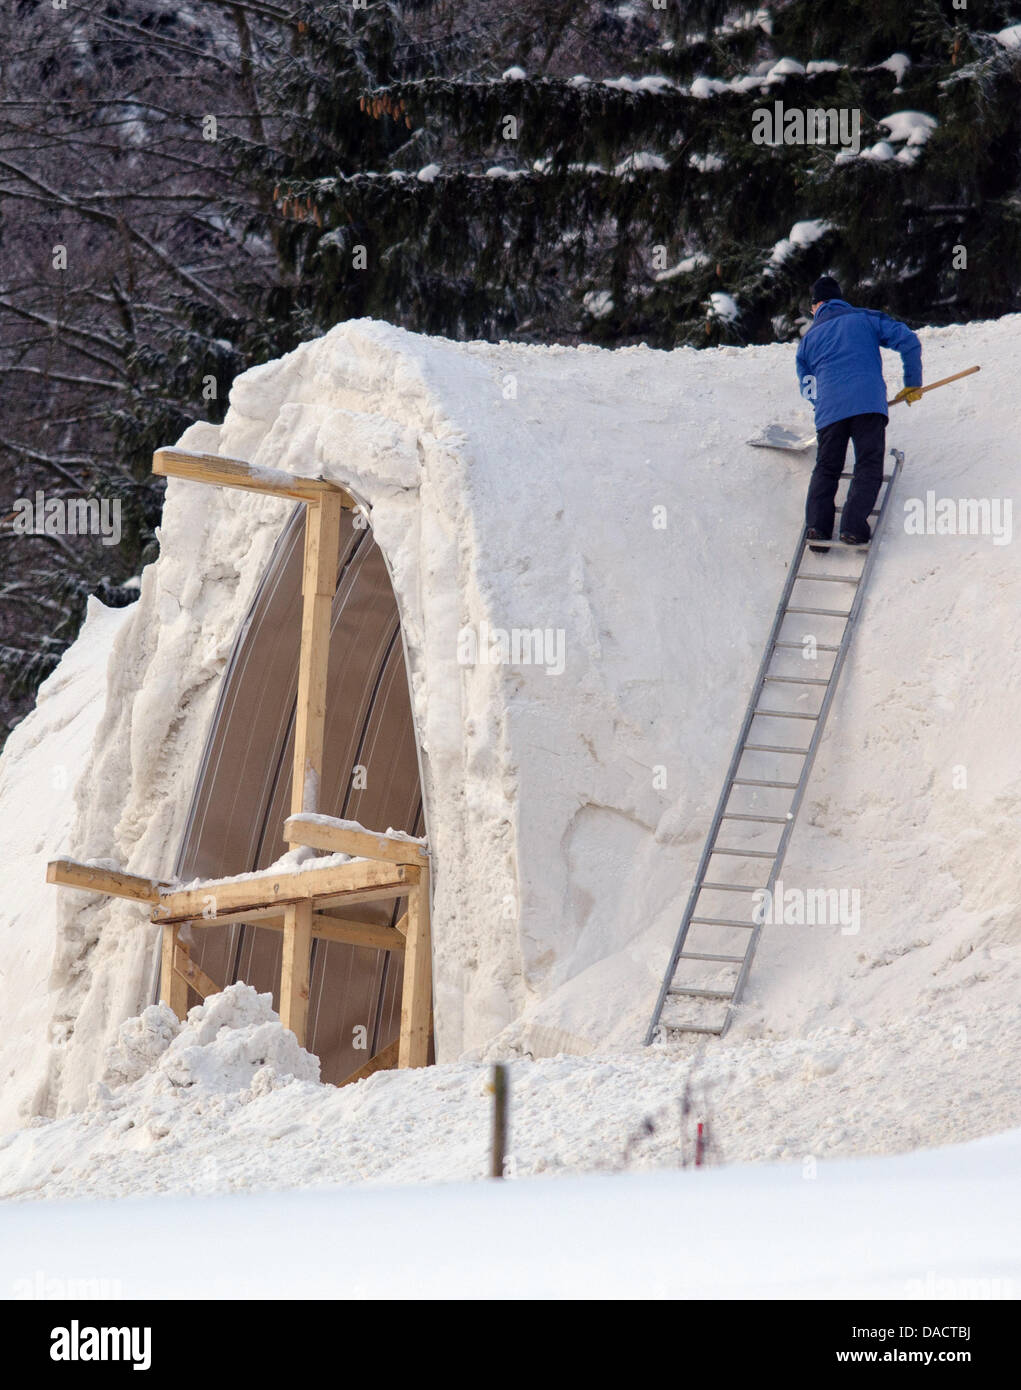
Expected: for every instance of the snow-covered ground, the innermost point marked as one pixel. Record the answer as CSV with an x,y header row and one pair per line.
x,y
228,1102
525,487
930,1226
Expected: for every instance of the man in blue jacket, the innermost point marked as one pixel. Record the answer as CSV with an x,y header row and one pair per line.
x,y
841,372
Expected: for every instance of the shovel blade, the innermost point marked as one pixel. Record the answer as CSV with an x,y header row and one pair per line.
x,y
780,437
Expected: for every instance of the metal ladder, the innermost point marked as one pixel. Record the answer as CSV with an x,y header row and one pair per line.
x,y
747,786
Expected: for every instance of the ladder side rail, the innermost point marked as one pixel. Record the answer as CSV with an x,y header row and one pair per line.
x,y
817,733
721,805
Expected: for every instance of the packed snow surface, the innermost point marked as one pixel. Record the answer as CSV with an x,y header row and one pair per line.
x,y
926,1227
609,501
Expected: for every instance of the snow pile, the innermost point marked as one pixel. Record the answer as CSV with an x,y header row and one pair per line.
x,y
228,1102
162,1082
134,698
231,1043
608,501
38,772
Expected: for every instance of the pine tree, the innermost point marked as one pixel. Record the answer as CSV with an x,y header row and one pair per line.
x,y
473,198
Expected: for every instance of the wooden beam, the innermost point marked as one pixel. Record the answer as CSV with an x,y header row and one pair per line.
x,y
353,933
223,472
294,969
203,985
416,994
69,873
346,929
366,844
173,985
318,585
359,881
383,1061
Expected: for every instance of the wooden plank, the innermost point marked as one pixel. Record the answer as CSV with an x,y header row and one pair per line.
x,y
367,844
272,914
383,1061
354,933
416,994
69,873
203,984
345,929
224,472
359,881
318,585
294,969
173,985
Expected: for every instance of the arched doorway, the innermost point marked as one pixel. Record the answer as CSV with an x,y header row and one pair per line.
x,y
371,774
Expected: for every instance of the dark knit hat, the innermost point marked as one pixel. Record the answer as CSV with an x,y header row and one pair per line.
x,y
825,288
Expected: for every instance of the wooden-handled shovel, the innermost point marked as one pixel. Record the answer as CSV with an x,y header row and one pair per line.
x,y
942,382
780,437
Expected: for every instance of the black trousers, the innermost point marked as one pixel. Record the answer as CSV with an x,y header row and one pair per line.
x,y
869,435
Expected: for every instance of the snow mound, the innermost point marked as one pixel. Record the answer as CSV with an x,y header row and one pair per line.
x,y
41,764
608,500
164,1086
231,1043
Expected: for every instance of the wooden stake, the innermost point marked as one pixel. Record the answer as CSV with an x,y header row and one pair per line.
x,y
294,971
416,994
499,1150
319,583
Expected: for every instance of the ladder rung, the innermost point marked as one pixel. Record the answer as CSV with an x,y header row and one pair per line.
x,y
703,993
734,888
720,922
772,748
691,1028
758,782
840,509
827,578
785,714
798,680
723,922
702,955
886,476
771,820
839,545
747,853
800,646
821,612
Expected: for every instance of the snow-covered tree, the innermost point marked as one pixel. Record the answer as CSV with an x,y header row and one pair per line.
x,y
650,198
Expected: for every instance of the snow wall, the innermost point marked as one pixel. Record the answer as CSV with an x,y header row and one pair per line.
x,y
608,501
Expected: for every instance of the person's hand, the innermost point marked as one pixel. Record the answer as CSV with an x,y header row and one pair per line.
x,y
910,394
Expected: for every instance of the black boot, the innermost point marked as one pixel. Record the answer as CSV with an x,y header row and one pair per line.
x,y
813,535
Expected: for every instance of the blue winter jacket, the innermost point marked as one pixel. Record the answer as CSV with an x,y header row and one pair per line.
x,y
838,362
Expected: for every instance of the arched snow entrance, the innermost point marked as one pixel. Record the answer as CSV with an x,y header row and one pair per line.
x,y
371,775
